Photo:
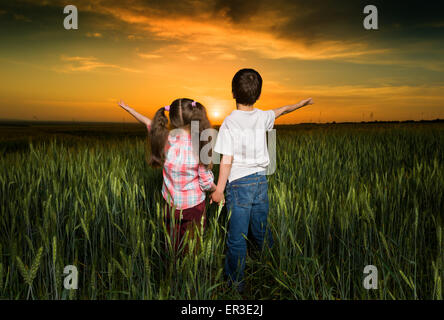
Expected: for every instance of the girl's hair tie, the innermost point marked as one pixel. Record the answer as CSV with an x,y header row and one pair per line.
x,y
193,104
167,108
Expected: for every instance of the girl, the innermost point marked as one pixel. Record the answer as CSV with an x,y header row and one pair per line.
x,y
185,177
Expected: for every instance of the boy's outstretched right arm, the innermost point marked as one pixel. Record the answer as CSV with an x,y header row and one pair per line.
x,y
292,107
224,171
141,118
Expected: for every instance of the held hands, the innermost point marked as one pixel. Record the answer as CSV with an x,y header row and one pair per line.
x,y
217,196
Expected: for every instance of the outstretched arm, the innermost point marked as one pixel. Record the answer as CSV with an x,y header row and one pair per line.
x,y
292,107
141,118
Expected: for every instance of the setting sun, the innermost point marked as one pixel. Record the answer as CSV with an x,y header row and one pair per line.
x,y
150,54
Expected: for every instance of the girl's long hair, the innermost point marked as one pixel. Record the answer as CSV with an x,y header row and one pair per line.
x,y
181,114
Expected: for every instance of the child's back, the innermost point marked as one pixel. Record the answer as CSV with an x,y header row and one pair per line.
x,y
243,136
185,178
242,142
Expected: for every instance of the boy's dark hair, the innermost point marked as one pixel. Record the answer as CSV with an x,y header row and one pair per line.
x,y
246,86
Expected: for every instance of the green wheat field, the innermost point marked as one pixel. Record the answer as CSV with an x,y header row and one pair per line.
x,y
344,196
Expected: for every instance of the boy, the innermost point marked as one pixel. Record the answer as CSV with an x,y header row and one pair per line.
x,y
242,143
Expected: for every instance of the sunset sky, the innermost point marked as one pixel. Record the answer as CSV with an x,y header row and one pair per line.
x,y
150,52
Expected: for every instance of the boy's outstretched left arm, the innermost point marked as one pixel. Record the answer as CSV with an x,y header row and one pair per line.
x,y
292,107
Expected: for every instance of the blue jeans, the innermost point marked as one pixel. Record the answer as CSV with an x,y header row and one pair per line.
x,y
247,199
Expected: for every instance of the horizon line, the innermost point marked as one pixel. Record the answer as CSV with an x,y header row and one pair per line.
x,y
283,124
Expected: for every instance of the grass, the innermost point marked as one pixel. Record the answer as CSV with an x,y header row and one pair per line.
x,y
343,197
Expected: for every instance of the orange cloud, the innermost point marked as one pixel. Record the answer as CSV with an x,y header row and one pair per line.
x,y
87,64
198,34
93,34
171,50
149,56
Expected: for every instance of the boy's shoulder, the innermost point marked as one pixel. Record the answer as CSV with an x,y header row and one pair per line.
x,y
228,119
240,114
237,118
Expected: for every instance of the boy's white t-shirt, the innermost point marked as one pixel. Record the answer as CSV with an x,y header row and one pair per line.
x,y
243,136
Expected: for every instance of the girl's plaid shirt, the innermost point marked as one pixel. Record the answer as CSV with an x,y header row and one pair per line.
x,y
184,179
